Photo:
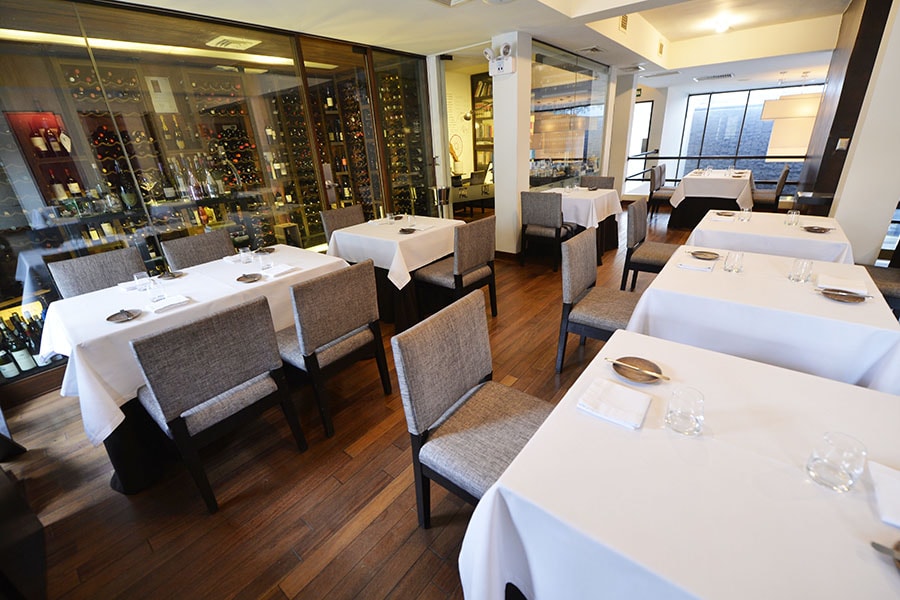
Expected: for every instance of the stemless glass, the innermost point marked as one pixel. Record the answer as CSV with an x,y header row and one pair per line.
x,y
801,269
684,414
734,262
837,461
142,281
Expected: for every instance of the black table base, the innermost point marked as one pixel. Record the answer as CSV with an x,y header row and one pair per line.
x,y
396,306
138,450
692,209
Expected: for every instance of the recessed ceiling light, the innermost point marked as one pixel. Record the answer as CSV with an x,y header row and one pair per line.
x,y
722,24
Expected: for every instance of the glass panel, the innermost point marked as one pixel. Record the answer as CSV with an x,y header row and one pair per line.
x,y
692,138
637,143
723,128
406,125
568,102
343,124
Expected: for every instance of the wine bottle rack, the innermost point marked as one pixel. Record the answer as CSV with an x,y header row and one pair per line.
x,y
355,140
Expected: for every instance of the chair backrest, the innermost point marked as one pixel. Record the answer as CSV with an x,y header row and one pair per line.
x,y
474,244
781,181
598,181
85,274
193,250
332,305
186,365
542,208
339,218
654,179
579,265
477,178
637,223
440,359
661,175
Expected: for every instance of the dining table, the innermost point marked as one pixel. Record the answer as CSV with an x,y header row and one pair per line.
x,y
398,246
703,189
597,207
760,314
94,333
592,509
815,238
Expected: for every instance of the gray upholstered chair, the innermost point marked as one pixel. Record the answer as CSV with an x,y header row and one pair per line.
x,y
465,428
542,221
75,276
335,324
339,218
641,255
598,181
205,378
659,191
472,264
193,250
887,279
767,200
588,311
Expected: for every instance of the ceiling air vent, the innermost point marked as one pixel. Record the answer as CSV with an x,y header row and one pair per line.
x,y
632,69
592,50
661,74
623,22
232,43
714,77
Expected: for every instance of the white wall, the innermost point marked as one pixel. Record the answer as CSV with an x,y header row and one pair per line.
x,y
867,193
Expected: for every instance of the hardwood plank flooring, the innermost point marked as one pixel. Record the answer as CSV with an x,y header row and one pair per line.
x,y
338,521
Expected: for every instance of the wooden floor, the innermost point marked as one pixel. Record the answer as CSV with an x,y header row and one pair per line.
x,y
338,521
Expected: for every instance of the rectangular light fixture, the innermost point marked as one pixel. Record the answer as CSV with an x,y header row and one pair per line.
x,y
793,118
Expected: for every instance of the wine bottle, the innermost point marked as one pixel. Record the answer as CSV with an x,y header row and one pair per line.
x,y
72,184
167,134
7,365
167,187
329,98
53,142
20,353
179,136
57,189
126,187
38,143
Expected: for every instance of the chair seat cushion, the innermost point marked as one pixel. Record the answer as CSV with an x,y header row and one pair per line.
x,y
289,347
214,410
653,253
440,273
549,232
476,443
764,195
663,193
604,308
887,280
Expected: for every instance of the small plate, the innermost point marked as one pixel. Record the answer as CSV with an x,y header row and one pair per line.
x,y
265,250
124,315
172,275
249,277
843,296
817,229
593,189
725,213
705,255
640,363
737,176
407,230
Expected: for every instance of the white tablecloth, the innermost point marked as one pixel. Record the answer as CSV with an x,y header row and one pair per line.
x,y
588,207
766,233
590,509
101,370
717,184
399,253
761,315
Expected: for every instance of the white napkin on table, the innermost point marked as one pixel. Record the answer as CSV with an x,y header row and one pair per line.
x,y
130,286
279,270
857,286
887,492
697,267
233,259
715,217
615,403
422,227
168,303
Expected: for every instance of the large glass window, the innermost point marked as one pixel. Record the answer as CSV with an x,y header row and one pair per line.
x,y
568,107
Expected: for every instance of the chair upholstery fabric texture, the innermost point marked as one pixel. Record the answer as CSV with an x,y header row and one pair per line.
x,y
598,181
193,250
542,213
341,217
84,274
474,246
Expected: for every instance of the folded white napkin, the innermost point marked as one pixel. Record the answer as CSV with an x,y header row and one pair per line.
x,y
615,403
233,259
708,267
169,302
279,270
130,286
715,217
887,492
422,227
857,286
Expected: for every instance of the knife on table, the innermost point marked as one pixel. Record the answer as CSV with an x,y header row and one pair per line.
x,y
895,554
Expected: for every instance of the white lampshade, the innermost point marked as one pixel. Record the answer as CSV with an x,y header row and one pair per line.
x,y
793,118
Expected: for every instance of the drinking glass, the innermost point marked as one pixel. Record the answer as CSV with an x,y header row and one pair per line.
x,y
792,218
837,461
156,292
410,220
745,214
734,262
684,414
264,261
142,281
801,270
245,256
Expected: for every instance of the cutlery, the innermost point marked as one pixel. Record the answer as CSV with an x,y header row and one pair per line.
x,y
638,369
837,292
895,554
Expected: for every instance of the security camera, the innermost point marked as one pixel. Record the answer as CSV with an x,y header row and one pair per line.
x,y
489,54
506,49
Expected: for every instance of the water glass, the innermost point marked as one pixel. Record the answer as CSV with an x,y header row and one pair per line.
x,y
142,281
837,461
245,256
745,214
792,218
410,220
684,414
264,261
389,216
156,292
801,270
734,262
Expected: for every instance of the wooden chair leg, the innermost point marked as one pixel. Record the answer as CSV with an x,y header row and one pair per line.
x,y
624,277
423,485
192,461
318,383
563,336
582,340
492,292
634,279
380,359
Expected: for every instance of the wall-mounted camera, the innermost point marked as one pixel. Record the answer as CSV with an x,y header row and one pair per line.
x,y
503,64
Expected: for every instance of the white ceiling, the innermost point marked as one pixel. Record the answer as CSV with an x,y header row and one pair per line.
x,y
431,27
